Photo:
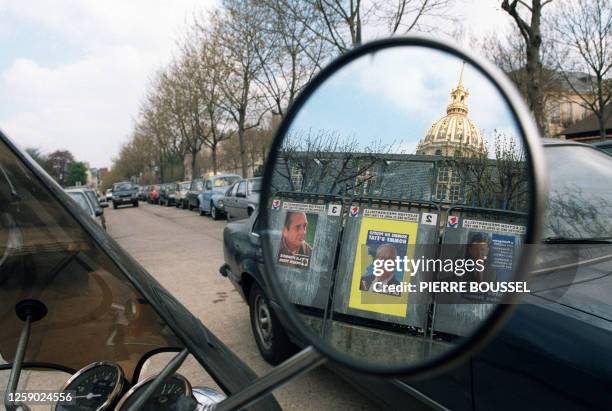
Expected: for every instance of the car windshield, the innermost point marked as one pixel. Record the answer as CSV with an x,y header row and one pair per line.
x,y
185,186
255,186
123,186
92,197
79,197
199,185
225,181
607,149
580,200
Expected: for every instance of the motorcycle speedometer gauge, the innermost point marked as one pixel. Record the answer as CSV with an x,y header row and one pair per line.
x,y
95,388
173,394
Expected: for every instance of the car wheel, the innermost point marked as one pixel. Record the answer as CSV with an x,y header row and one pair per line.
x,y
249,211
271,339
202,212
135,203
214,213
114,205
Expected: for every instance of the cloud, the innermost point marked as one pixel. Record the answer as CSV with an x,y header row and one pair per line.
x,y
93,24
419,82
86,103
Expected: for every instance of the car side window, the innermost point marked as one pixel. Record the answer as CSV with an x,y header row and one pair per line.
x,y
255,228
234,190
242,188
208,184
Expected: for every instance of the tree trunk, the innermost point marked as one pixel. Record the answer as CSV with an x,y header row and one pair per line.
x,y
213,151
241,135
194,172
602,125
533,40
534,68
601,113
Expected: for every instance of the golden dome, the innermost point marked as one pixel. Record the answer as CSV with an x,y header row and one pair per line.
x,y
455,132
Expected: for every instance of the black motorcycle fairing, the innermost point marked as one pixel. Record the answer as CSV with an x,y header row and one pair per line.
x,y
88,283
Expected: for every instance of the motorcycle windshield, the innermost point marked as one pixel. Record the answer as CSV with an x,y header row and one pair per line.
x,y
94,311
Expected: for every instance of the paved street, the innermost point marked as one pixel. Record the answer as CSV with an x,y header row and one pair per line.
x,y
183,251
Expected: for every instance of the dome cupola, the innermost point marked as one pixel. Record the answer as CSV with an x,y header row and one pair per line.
x,y
455,133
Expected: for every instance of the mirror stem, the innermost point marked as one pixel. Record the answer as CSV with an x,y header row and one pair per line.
x,y
13,381
300,363
170,368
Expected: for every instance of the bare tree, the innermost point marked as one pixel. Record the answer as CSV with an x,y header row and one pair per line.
x,y
508,53
155,124
180,104
209,79
532,38
341,23
237,33
325,162
493,180
291,55
583,39
230,155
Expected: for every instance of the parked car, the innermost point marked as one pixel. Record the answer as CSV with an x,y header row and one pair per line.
x,y
195,188
210,199
242,199
553,351
100,198
125,192
167,194
181,194
109,194
86,198
142,193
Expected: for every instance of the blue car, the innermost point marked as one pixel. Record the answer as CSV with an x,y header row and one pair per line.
x,y
210,199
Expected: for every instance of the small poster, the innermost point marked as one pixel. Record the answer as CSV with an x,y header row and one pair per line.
x,y
453,221
297,239
501,257
429,219
334,210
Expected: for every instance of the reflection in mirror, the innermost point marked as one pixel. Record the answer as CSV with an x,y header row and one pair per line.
x,y
398,205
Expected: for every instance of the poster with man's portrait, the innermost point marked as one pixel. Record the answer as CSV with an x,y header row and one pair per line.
x,y
497,252
383,235
297,239
383,246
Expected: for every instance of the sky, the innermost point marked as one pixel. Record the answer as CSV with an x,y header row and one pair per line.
x,y
394,96
74,72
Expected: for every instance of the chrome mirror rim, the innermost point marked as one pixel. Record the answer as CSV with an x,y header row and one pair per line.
x,y
537,192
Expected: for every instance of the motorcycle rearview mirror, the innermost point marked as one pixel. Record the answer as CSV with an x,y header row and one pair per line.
x,y
402,198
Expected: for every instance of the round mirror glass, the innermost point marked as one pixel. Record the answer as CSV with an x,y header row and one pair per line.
x,y
399,197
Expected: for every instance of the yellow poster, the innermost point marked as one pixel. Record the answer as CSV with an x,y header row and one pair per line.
x,y
383,235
